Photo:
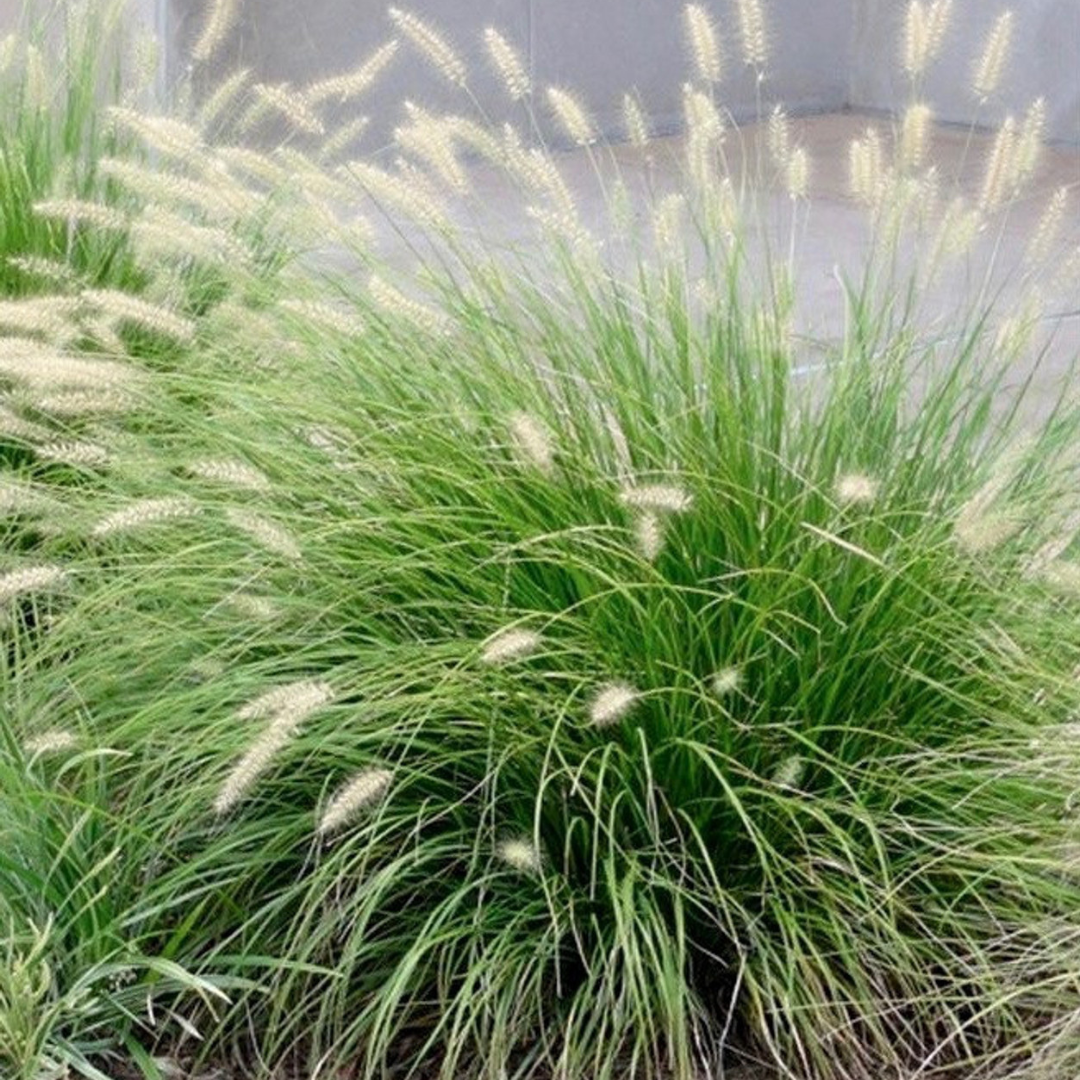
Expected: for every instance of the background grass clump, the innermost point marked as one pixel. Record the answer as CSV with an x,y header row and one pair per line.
x,y
526,667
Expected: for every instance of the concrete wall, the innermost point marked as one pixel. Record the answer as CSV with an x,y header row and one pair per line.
x,y
826,53
1045,62
598,48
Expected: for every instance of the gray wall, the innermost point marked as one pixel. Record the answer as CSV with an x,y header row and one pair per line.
x,y
827,53
1045,62
598,48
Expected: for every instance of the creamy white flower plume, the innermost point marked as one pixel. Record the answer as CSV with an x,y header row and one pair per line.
x,y
1048,228
1000,167
635,122
428,41
165,134
343,138
265,532
866,168
612,703
227,94
295,699
704,43
924,33
54,741
30,579
789,772
74,452
71,403
252,606
659,498
399,193
288,103
778,136
54,271
982,523
81,212
255,761
508,645
129,309
234,473
222,199
1029,142
364,789
53,370
352,84
532,442
287,708
667,224
990,65
390,299
327,315
915,136
519,854
1063,576
145,512
220,20
50,316
508,64
649,534
431,139
16,427
726,681
571,116
18,497
752,32
856,488
797,176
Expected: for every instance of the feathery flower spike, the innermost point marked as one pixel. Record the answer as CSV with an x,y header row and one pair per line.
x,y
659,498
431,44
612,703
265,532
219,24
649,533
704,43
520,855
571,116
30,579
726,681
54,741
144,512
361,791
508,64
856,489
988,69
755,42
508,645
533,442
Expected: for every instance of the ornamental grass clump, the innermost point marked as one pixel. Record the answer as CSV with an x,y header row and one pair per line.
x,y
524,667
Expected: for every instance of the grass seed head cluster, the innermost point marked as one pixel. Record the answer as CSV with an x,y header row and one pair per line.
x,y
522,665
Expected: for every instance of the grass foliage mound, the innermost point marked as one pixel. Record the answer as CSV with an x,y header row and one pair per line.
x,y
532,668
